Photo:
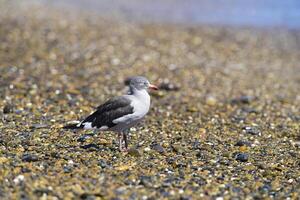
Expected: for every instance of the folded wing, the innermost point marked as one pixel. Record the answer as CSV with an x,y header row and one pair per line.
x,y
106,113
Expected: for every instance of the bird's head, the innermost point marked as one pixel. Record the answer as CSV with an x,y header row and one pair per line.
x,y
140,83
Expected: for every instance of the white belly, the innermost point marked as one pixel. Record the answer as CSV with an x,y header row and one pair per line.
x,y
141,105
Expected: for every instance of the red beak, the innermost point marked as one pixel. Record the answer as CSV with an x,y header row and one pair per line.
x,y
153,87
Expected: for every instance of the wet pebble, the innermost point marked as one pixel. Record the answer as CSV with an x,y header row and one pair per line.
x,y
243,157
29,158
67,169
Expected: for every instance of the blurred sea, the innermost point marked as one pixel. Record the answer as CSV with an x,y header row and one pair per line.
x,y
258,13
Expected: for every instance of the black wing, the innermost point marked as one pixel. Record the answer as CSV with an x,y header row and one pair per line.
x,y
109,111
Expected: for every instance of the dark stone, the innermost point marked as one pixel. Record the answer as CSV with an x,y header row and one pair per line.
x,y
18,111
67,169
87,196
199,180
242,143
171,160
29,158
185,198
158,148
249,110
90,146
168,86
83,138
103,164
196,144
146,181
25,170
242,100
8,109
251,130
238,118
243,157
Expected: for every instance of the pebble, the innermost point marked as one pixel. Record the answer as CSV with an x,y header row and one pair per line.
x,y
7,109
19,179
37,126
177,148
211,100
168,86
158,148
134,152
242,143
91,146
29,158
243,157
146,181
102,163
83,138
251,130
243,100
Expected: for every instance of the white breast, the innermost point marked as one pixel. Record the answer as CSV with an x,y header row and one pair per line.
x,y
140,103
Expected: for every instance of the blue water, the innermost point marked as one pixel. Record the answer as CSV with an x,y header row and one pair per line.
x,y
261,13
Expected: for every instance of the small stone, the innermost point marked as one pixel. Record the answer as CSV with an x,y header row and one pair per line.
x,y
251,130
83,138
91,147
211,100
192,109
8,109
168,86
242,143
202,133
243,157
19,179
67,169
243,100
29,158
147,149
134,152
103,164
243,148
177,148
3,160
37,126
158,148
146,181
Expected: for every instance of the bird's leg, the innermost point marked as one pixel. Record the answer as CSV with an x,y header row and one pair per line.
x,y
125,139
120,141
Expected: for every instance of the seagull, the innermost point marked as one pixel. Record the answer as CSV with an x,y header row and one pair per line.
x,y
119,114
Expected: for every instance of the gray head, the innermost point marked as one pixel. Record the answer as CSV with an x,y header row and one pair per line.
x,y
140,83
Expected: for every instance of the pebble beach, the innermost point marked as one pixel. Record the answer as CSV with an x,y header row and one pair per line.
x,y
225,123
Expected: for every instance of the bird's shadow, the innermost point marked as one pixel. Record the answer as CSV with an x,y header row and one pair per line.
x,y
93,146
